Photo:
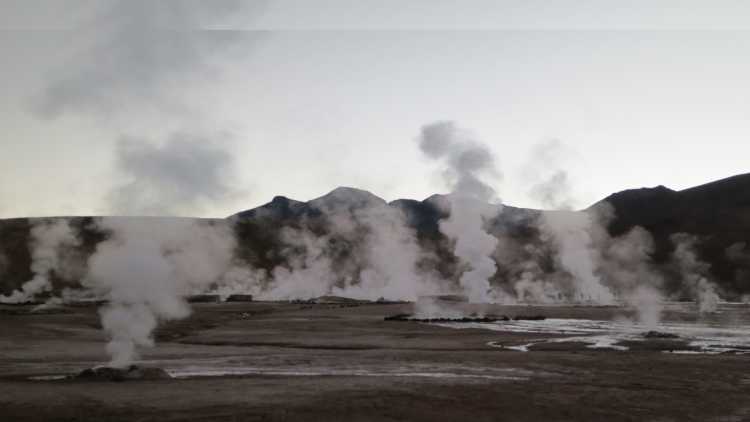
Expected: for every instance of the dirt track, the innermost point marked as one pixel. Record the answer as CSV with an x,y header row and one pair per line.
x,y
327,362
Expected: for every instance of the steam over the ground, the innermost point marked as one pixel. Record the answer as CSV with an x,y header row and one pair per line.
x,y
591,265
738,254
628,269
146,268
471,202
571,235
694,272
129,71
352,243
365,251
50,242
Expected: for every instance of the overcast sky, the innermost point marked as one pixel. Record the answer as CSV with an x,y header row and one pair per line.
x,y
209,107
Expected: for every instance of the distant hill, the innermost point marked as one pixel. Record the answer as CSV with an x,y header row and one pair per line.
x,y
717,212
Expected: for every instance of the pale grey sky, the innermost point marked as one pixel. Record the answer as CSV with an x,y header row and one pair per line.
x,y
112,107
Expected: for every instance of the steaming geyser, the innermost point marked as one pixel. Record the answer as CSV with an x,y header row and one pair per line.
x,y
695,273
48,239
145,269
473,244
466,160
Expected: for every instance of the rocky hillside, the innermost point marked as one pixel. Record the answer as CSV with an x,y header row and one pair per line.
x,y
717,212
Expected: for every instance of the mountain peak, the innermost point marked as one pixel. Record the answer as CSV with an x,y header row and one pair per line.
x,y
658,193
347,196
346,191
279,206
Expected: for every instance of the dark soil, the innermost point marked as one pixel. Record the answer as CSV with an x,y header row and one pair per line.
x,y
346,363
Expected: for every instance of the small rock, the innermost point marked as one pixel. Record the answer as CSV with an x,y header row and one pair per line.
x,y
240,298
466,319
132,372
529,318
204,299
659,334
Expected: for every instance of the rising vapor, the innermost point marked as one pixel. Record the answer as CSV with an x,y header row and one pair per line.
x,y
145,269
48,243
471,202
137,54
132,62
694,272
545,172
187,174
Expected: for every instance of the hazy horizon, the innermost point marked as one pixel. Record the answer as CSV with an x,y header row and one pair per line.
x,y
204,109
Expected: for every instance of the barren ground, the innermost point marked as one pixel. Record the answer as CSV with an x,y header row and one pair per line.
x,y
276,362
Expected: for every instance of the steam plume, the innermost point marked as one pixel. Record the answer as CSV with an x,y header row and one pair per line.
x,y
738,255
145,268
545,172
570,233
129,67
365,251
138,53
308,272
531,283
628,270
466,160
49,239
576,252
393,254
186,173
694,272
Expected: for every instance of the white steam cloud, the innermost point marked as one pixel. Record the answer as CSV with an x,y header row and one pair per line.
x,y
352,243
598,268
367,252
309,271
139,54
393,253
144,270
128,66
472,202
545,172
694,272
627,268
186,173
571,233
49,240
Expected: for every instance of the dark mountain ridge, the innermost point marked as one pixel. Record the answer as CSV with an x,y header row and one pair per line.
x,y
718,213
